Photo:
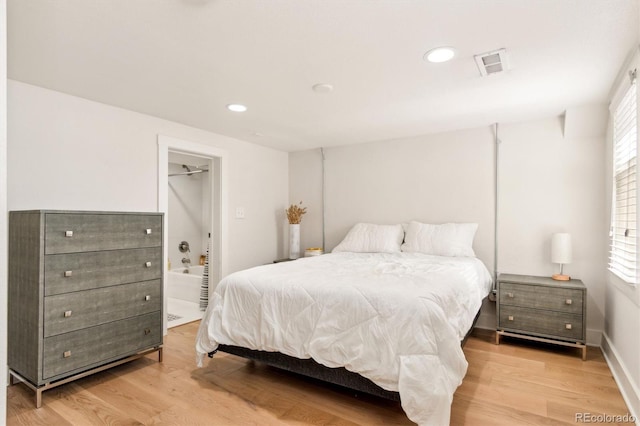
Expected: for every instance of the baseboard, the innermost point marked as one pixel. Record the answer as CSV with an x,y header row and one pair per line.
x,y
628,389
485,327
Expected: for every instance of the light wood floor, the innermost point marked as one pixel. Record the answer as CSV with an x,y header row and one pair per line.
x,y
514,383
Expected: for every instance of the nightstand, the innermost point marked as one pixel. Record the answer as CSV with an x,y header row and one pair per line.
x,y
542,309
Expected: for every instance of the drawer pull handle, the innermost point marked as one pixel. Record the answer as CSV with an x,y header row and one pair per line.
x,y
568,302
147,231
147,298
510,317
567,326
67,314
66,354
147,264
510,295
147,331
68,233
68,273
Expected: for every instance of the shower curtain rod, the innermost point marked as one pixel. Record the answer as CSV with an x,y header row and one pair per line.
x,y
188,173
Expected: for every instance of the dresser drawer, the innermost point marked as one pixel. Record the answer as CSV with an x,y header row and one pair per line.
x,y
64,273
566,300
72,311
76,232
557,325
67,353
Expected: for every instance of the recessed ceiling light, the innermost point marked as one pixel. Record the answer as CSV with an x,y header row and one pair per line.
x,y
236,107
322,88
440,54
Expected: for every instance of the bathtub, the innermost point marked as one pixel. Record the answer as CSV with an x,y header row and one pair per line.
x,y
185,286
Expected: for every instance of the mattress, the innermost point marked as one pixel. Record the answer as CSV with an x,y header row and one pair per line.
x,y
394,318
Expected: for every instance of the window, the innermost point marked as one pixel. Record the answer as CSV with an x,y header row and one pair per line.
x,y
623,258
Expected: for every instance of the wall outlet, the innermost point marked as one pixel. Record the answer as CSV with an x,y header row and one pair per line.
x,y
239,212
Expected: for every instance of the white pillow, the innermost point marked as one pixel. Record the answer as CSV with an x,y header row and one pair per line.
x,y
371,238
448,239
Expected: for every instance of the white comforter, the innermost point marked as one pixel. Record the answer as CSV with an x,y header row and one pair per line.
x,y
396,319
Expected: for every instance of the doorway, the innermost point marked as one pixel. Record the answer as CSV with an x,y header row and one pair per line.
x,y
189,233
192,195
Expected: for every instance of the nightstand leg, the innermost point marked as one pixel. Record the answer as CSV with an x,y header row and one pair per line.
x,y
497,338
584,353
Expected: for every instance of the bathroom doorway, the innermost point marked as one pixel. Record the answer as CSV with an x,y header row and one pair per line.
x,y
189,232
192,194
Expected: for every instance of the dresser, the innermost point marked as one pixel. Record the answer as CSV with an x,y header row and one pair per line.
x,y
85,293
542,309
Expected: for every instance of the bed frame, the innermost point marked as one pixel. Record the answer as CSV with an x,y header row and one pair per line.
x,y
308,367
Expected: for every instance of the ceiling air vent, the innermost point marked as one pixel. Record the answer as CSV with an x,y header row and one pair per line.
x,y
492,62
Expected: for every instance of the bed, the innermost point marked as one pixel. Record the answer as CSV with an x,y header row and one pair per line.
x,y
380,314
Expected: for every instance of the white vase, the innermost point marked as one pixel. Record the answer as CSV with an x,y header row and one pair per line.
x,y
294,241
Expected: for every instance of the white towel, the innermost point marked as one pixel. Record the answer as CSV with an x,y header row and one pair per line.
x,y
204,288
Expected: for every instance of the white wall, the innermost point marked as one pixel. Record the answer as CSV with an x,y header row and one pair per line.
x,y
70,153
3,211
548,183
621,344
305,168
413,179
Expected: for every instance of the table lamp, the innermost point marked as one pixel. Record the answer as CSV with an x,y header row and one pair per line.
x,y
561,253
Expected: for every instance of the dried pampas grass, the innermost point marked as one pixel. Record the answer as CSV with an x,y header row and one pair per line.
x,y
295,212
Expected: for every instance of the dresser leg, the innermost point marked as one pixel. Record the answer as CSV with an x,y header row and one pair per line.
x,y
584,353
497,338
160,355
38,398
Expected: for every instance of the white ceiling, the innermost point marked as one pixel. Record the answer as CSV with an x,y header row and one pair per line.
x,y
184,60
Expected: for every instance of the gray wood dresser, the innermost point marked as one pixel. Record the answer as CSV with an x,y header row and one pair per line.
x,y
542,309
85,293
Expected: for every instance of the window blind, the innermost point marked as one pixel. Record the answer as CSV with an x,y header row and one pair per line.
x,y
623,257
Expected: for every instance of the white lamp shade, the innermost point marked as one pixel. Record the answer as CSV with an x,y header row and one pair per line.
x,y
561,248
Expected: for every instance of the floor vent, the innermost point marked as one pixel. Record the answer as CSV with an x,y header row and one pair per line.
x,y
492,62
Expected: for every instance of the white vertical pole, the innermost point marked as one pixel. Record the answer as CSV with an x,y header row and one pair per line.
x,y
323,200
496,205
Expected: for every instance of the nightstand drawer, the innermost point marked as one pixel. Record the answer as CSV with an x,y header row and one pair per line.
x,y
557,325
566,300
65,273
80,349
68,312
73,232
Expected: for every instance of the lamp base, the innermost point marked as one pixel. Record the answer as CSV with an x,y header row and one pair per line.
x,y
560,277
